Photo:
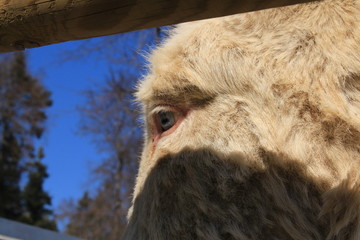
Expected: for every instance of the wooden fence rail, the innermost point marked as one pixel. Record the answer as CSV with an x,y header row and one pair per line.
x,y
34,23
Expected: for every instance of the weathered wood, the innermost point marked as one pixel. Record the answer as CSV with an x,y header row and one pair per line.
x,y
33,23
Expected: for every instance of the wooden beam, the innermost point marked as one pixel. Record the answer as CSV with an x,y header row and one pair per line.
x,y
34,23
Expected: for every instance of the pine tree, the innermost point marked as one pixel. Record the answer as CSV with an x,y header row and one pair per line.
x,y
81,220
23,101
10,173
36,200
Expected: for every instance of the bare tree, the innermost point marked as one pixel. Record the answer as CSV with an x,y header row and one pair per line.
x,y
110,117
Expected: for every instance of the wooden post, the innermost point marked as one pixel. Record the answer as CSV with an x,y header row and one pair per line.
x,y
34,23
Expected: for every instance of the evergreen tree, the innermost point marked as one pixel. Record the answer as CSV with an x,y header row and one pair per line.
x,y
79,213
23,100
10,173
36,200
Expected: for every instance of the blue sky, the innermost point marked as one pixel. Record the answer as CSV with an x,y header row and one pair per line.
x,y
68,155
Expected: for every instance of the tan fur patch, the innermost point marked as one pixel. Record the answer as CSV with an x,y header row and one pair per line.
x,y
270,147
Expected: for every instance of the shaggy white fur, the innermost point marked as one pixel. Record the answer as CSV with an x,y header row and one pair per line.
x,y
264,112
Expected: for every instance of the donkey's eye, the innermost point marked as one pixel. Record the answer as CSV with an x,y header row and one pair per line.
x,y
166,120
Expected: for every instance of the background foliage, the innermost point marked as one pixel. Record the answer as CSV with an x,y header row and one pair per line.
x,y
111,118
23,101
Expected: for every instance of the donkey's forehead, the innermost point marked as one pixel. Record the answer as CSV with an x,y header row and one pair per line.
x,y
199,62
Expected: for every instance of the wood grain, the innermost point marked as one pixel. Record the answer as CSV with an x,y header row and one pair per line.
x,y
34,23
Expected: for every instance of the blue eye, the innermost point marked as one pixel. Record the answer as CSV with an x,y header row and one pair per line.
x,y
166,120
